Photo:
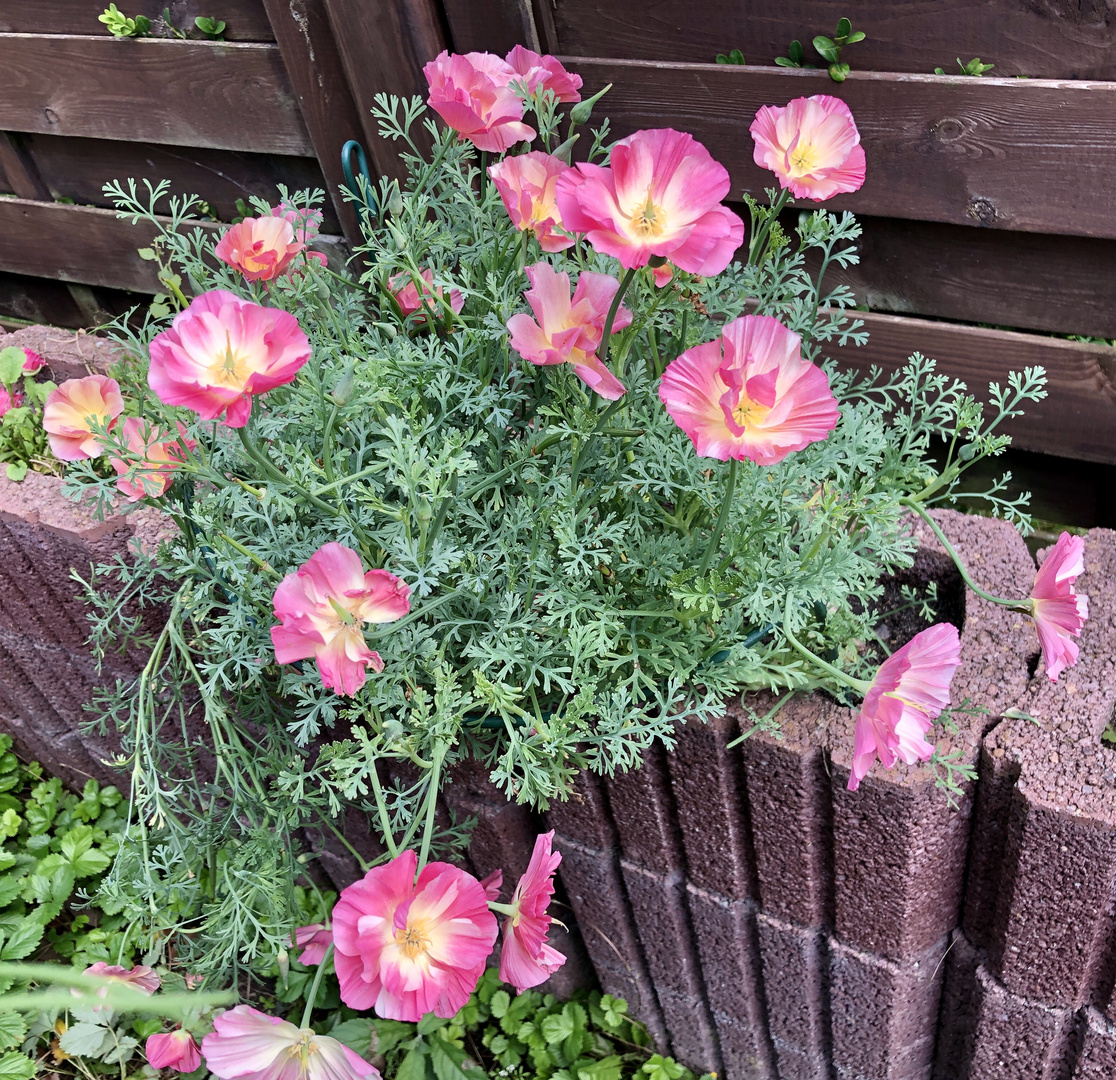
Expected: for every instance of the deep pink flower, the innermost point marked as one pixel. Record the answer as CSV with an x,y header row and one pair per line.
x,y
173,1050
1057,609
471,94
159,453
221,351
527,184
749,394
408,948
260,248
492,884
660,195
811,145
569,331
313,940
9,401
321,608
910,690
32,361
545,72
249,1045
402,287
526,959
140,977
69,410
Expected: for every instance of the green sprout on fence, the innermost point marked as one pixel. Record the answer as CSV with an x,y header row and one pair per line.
x,y
734,57
121,26
212,28
973,67
829,49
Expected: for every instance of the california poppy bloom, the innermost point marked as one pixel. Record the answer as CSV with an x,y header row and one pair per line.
x,y
1055,606
71,410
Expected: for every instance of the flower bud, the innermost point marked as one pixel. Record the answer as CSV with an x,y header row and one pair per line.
x,y
583,110
395,202
398,236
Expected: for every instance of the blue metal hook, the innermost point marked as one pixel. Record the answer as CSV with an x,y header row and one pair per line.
x,y
362,193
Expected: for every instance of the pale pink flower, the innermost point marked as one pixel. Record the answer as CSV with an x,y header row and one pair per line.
x,y
1055,606
71,409
811,145
662,275
749,394
407,948
660,195
140,977
321,608
526,959
246,1044
471,94
546,72
492,884
527,184
402,288
173,1050
569,330
221,351
260,248
910,690
32,361
159,453
313,940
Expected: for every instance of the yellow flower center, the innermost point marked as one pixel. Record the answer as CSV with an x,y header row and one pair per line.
x,y
649,220
412,942
803,160
230,368
304,1049
749,412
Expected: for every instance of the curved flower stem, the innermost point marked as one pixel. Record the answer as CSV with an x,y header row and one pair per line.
x,y
438,756
382,810
314,987
610,318
859,685
722,517
759,241
261,459
363,863
1016,605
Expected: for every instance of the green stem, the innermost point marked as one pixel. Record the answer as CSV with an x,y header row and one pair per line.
x,y
759,241
613,308
261,459
382,811
859,685
440,750
364,864
722,517
314,986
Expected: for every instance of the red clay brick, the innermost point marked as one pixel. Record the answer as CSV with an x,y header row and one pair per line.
x,y
644,815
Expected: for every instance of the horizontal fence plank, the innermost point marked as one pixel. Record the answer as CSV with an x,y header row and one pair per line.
x,y
1039,38
1076,420
245,20
186,93
1023,154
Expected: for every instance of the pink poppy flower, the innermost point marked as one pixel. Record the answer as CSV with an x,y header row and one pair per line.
x,y
140,977
321,608
569,331
471,94
307,224
1056,608
811,145
749,394
492,884
407,948
313,940
543,72
660,195
260,248
526,959
173,1050
662,275
221,351
9,401
910,690
70,409
527,184
402,287
32,361
246,1044
160,455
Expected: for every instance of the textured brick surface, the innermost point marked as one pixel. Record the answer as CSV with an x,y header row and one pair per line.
x,y
1098,1054
643,810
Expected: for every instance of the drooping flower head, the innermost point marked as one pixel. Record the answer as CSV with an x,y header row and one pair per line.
x,y
910,690
221,351
527,184
526,959
569,330
246,1044
140,977
313,940
407,948
406,294
1055,606
750,394
159,453
70,411
260,248
321,608
173,1050
536,72
471,94
812,146
660,195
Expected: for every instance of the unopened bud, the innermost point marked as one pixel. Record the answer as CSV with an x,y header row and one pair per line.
x,y
583,110
343,388
283,960
395,203
398,236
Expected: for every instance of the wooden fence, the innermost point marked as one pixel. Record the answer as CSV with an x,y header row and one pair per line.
x,y
987,200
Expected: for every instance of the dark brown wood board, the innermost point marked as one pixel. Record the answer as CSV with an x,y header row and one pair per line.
x,y
245,20
485,26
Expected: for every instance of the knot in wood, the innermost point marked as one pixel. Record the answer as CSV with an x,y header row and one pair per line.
x,y
984,210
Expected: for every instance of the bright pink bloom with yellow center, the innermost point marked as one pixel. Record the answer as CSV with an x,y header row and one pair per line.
x,y
140,977
402,287
260,248
526,959
750,394
1057,609
407,948
811,145
173,1050
543,72
321,608
70,411
221,351
528,184
910,690
158,453
313,940
569,330
660,195
246,1044
471,94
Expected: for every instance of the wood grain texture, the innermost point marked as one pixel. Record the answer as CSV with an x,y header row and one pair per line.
x,y
245,20
490,25
21,176
1052,39
1076,420
186,93
1031,155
